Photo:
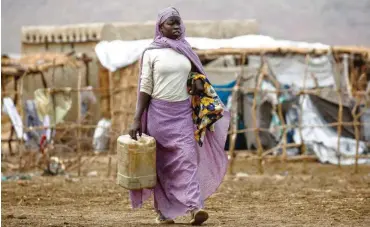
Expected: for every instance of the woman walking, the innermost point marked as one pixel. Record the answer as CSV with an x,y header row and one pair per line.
x,y
190,131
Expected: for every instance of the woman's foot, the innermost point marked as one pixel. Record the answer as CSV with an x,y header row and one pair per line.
x,y
162,220
198,217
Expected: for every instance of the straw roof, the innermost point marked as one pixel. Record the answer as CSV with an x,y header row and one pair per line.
x,y
35,63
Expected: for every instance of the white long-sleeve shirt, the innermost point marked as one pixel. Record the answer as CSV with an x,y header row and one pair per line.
x,y
164,74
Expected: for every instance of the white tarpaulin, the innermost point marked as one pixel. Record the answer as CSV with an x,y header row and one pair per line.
x,y
324,140
117,54
290,70
10,109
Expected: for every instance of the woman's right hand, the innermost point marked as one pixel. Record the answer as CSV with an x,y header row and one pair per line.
x,y
143,103
135,129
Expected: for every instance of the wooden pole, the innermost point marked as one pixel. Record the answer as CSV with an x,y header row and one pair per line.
x,y
234,116
300,92
261,75
340,100
232,136
355,116
79,81
281,51
21,143
15,103
112,137
279,110
357,136
357,131
347,72
52,95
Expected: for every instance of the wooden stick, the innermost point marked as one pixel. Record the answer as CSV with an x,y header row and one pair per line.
x,y
109,166
12,129
89,162
357,137
79,164
280,112
318,92
315,91
79,81
301,158
247,154
63,89
72,125
340,110
89,157
53,96
334,124
261,75
347,72
232,141
283,51
112,138
271,150
115,169
9,93
234,118
21,144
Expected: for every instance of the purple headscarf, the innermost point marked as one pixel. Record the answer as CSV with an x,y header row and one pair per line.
x,y
180,45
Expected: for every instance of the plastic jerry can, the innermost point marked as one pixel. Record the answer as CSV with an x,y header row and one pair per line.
x,y
136,162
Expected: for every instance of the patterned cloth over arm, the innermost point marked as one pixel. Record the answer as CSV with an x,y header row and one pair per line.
x,y
207,108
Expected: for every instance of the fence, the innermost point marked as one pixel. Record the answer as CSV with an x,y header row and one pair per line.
x,y
121,88
262,154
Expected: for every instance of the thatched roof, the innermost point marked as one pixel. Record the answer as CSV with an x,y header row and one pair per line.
x,y
35,63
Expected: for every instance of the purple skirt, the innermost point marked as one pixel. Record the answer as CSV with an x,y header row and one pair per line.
x,y
187,174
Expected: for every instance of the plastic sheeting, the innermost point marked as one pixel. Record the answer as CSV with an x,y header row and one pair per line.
x,y
101,135
32,120
44,104
117,54
10,109
323,140
290,70
264,117
224,95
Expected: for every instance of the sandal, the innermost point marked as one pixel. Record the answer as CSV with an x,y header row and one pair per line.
x,y
162,220
198,217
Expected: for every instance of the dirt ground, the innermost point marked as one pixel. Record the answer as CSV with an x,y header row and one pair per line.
x,y
283,196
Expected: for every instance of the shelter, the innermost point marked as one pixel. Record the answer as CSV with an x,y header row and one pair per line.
x,y
253,62
21,77
82,38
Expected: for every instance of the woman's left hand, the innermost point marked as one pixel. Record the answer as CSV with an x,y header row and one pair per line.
x,y
197,87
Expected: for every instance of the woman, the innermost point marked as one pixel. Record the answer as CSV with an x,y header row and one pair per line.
x,y
188,172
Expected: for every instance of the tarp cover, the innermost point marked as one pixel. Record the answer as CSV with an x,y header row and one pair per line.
x,y
323,140
117,54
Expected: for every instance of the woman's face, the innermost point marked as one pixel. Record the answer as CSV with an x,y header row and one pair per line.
x,y
171,27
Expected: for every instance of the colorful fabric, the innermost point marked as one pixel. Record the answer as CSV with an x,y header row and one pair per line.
x,y
207,108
